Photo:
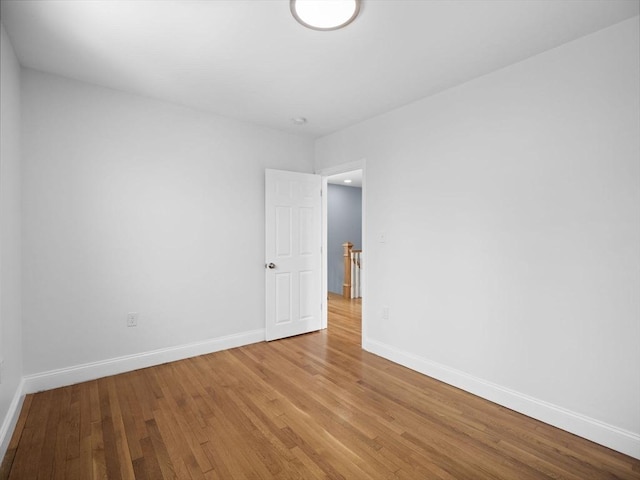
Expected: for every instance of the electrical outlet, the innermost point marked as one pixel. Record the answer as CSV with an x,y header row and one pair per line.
x,y
385,313
132,319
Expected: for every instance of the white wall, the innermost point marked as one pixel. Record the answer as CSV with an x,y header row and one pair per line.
x,y
135,205
511,206
10,251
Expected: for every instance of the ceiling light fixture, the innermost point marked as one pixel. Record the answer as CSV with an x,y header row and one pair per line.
x,y
347,180
299,121
325,14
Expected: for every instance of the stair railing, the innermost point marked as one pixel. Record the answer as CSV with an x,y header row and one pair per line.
x,y
352,271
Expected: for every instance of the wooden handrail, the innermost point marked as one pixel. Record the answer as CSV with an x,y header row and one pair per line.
x,y
346,286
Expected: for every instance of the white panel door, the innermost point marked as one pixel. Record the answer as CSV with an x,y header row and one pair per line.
x,y
293,260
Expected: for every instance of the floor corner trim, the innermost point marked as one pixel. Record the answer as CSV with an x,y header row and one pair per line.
x,y
90,371
586,427
11,419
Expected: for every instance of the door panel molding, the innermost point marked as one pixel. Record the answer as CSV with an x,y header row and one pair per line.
x,y
293,240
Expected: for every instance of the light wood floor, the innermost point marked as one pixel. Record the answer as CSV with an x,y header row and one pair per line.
x,y
309,407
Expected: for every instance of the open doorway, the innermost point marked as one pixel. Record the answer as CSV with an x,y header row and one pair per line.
x,y
344,250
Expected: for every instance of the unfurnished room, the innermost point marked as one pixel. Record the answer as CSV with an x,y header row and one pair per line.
x,y
320,239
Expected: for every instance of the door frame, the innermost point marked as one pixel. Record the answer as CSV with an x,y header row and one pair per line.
x,y
327,172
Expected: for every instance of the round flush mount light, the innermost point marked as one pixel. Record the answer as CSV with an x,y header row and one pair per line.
x,y
299,121
325,14
348,180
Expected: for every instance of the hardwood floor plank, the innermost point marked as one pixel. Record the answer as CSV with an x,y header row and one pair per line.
x,y
190,428
47,454
151,467
314,406
85,433
116,399
108,410
174,444
159,451
132,420
65,430
99,464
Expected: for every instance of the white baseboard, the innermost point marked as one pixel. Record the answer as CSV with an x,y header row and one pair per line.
x,y
90,371
599,432
11,419
612,437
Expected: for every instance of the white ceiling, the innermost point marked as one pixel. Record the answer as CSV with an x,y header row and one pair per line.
x,y
250,60
339,178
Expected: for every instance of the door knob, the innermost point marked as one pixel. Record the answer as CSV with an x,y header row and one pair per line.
x,y
271,266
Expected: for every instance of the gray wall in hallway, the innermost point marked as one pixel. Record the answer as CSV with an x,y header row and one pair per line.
x,y
344,224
